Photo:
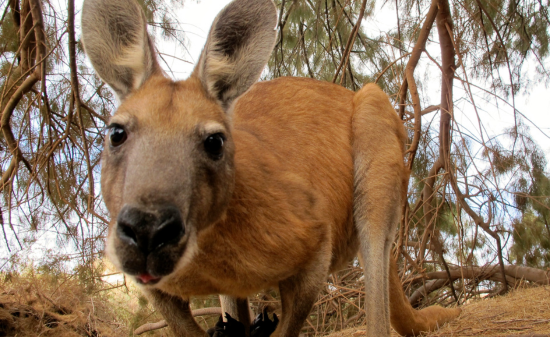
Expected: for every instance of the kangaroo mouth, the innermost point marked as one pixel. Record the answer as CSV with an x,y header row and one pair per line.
x,y
148,268
148,279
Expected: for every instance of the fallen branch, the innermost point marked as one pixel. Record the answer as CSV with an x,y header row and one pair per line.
x,y
162,324
439,279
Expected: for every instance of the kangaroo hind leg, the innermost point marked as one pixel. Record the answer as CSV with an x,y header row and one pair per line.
x,y
378,139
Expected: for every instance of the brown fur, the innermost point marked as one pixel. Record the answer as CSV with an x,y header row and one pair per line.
x,y
296,209
311,173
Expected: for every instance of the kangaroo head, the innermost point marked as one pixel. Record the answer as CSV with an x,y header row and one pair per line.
x,y
167,165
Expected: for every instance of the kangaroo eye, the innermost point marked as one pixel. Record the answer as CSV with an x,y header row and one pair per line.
x,y
117,135
213,145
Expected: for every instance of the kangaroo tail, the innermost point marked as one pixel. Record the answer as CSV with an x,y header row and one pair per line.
x,y
410,322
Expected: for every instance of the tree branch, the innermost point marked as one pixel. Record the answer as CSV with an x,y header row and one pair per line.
x,y
349,44
162,324
417,52
78,104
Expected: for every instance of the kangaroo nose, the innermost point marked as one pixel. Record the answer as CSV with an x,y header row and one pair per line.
x,y
150,229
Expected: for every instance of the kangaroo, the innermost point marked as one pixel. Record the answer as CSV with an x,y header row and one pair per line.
x,y
220,185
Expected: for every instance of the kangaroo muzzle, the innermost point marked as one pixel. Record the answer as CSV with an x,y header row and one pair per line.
x,y
149,241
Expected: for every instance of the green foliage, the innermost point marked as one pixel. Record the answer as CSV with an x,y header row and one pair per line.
x,y
161,16
8,36
500,34
313,38
491,36
531,241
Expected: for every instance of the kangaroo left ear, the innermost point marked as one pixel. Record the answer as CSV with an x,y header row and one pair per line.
x,y
238,47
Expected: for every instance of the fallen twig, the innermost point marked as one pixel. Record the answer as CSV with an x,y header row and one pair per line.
x,y
162,324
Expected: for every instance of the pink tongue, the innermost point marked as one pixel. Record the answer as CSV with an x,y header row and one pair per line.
x,y
146,278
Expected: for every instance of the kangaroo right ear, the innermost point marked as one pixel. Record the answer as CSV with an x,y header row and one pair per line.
x,y
114,34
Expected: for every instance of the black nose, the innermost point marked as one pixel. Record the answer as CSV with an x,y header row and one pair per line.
x,y
150,229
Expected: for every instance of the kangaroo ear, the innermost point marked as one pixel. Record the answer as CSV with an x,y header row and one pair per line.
x,y
115,38
238,47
